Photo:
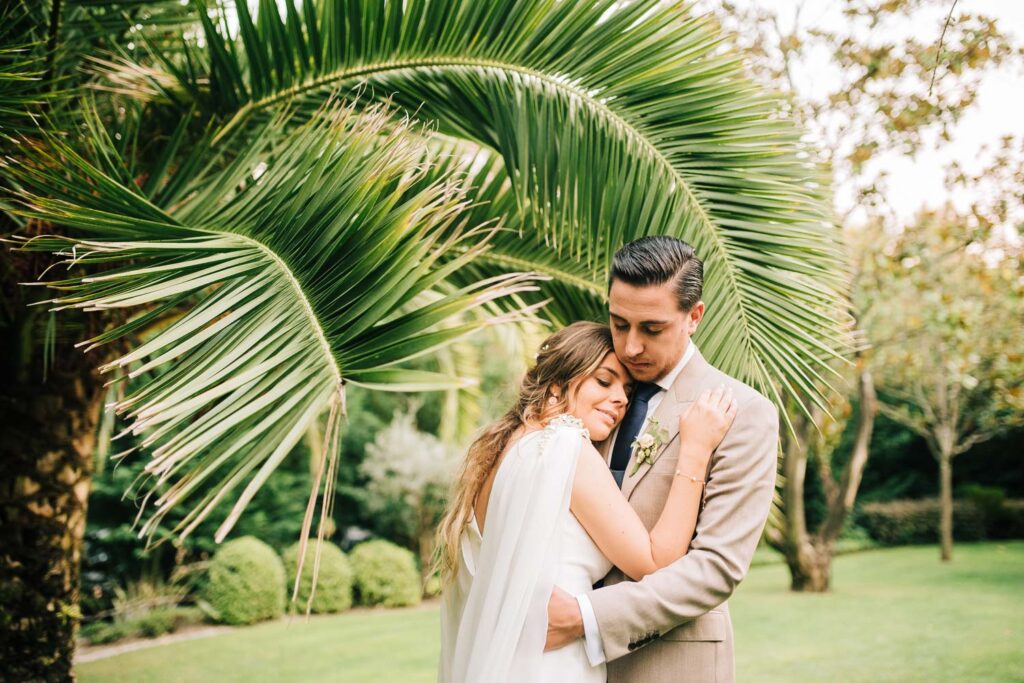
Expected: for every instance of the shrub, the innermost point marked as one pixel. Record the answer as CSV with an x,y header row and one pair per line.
x,y
1013,524
408,473
1003,518
156,623
432,586
333,582
187,616
103,632
905,522
385,574
246,582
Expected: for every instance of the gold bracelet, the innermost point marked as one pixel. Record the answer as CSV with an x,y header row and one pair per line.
x,y
695,480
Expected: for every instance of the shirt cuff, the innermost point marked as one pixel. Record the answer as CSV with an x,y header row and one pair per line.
x,y
591,632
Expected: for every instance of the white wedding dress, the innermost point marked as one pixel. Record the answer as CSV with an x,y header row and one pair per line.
x,y
494,616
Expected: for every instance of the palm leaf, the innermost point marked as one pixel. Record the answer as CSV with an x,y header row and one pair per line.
x,y
612,121
304,262
24,88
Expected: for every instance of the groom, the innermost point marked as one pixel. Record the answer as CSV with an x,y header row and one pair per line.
x,y
674,624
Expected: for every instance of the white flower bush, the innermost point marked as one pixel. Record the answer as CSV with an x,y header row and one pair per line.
x,y
409,473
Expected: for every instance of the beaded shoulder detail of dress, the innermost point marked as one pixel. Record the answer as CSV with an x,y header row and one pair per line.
x,y
567,420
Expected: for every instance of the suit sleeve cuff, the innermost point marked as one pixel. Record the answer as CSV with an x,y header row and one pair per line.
x,y
591,632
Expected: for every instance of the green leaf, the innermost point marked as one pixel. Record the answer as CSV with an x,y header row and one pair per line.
x,y
308,261
648,129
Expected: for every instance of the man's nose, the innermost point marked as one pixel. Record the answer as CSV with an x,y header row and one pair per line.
x,y
633,346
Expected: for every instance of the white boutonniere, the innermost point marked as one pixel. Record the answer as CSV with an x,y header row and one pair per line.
x,y
646,444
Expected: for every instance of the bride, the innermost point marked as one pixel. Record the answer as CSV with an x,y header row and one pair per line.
x,y
535,506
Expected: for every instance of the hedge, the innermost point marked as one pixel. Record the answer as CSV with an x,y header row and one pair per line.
x,y
908,522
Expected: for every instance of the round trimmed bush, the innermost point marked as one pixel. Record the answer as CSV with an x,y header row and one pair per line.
x,y
246,582
385,574
333,582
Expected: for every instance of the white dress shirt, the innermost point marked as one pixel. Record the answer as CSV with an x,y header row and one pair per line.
x,y
591,631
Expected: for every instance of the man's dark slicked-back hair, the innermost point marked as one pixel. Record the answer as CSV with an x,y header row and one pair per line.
x,y
655,260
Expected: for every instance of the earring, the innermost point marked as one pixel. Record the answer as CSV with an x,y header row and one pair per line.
x,y
552,400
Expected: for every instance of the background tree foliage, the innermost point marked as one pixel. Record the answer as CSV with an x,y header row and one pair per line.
x,y
947,331
889,89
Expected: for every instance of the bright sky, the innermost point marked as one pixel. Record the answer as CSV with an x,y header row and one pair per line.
x,y
998,111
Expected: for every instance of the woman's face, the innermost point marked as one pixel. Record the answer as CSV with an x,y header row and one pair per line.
x,y
602,396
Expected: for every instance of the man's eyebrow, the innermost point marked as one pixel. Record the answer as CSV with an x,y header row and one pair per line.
x,y
642,322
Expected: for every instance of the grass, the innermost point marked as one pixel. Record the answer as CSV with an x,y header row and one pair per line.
x,y
893,615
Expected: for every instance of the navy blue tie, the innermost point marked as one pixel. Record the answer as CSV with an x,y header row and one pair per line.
x,y
630,427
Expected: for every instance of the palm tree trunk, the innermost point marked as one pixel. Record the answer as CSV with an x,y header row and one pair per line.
x,y
47,437
45,477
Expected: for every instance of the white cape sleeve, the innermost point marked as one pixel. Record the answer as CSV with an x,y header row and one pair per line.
x,y
494,619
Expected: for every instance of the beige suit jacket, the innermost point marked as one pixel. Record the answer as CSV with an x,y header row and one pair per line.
x,y
674,624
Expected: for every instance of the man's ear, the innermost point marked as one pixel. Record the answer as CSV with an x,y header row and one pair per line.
x,y
694,316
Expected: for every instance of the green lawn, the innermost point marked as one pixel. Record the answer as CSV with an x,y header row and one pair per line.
x,y
893,615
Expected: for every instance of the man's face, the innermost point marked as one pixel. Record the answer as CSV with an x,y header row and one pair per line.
x,y
649,330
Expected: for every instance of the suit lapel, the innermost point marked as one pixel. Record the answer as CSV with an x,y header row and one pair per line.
x,y
665,415
685,389
692,380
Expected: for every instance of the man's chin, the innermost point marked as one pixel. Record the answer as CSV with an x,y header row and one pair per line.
x,y
646,373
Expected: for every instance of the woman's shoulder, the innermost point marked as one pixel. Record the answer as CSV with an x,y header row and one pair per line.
x,y
569,432
561,432
566,421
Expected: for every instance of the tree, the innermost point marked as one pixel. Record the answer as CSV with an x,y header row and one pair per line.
x,y
212,189
947,331
889,87
51,396
809,548
879,101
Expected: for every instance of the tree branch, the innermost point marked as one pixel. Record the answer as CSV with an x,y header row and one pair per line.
x,y
840,505
938,52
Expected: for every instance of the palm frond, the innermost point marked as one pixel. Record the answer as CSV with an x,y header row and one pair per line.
x,y
303,262
22,73
612,121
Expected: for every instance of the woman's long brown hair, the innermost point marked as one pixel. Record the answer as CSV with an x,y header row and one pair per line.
x,y
572,353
